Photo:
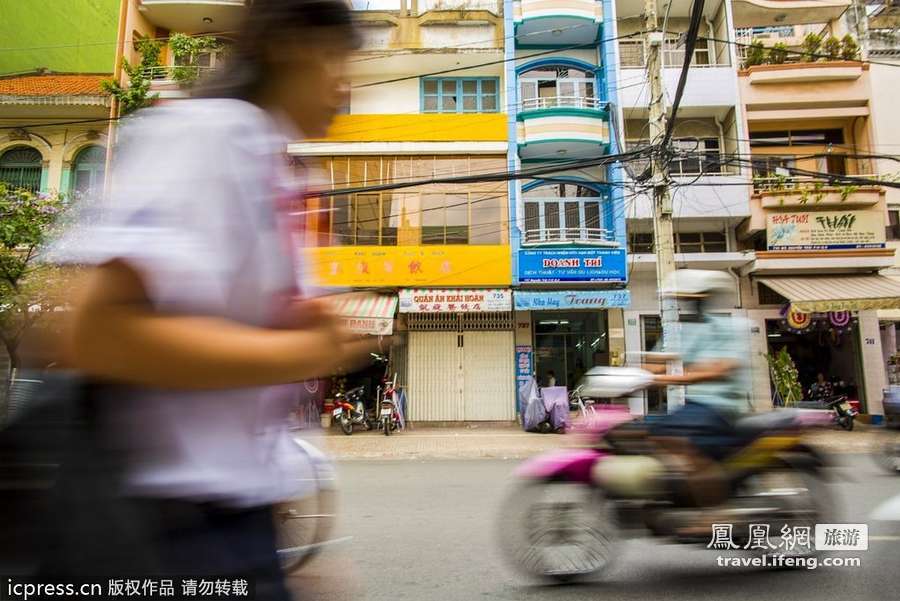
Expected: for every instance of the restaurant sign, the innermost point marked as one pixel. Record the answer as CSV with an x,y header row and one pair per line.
x,y
823,230
454,301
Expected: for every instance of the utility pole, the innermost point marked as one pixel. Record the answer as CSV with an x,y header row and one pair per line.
x,y
663,236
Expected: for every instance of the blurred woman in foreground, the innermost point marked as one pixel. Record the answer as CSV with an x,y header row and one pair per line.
x,y
190,315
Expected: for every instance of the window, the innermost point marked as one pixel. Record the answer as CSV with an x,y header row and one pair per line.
x,y
564,211
88,169
702,156
557,85
20,167
767,296
640,244
808,137
700,242
427,214
892,231
460,95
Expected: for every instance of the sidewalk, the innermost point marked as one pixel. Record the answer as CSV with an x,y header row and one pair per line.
x,y
495,442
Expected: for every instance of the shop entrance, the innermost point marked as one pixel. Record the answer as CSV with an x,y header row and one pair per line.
x,y
567,344
821,349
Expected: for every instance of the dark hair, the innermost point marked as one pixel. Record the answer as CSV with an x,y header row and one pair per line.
x,y
266,20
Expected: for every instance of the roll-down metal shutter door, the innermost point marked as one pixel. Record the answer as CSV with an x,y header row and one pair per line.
x,y
488,375
434,371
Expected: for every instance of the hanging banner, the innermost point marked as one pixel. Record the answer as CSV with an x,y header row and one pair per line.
x,y
524,368
572,299
823,230
454,301
572,265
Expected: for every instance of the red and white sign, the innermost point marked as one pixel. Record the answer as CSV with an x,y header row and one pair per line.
x,y
454,301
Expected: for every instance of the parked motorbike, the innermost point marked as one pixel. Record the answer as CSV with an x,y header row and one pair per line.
x,y
570,507
390,414
350,410
844,413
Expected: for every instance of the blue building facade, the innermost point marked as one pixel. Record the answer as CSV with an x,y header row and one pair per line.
x,y
567,216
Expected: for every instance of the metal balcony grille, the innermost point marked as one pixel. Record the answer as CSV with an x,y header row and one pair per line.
x,y
550,102
580,235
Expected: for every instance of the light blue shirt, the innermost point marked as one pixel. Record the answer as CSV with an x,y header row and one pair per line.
x,y
718,338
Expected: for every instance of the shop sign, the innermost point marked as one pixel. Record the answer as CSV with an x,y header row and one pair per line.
x,y
572,299
454,301
378,326
364,266
572,265
823,230
524,368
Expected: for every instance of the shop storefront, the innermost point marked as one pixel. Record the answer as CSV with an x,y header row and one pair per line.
x,y
459,359
566,332
829,324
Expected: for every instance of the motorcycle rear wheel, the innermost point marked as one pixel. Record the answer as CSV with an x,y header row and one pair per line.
x,y
557,531
386,424
847,422
301,524
346,426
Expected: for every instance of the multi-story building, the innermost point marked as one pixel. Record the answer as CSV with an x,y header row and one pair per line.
x,y
710,195
568,224
54,114
427,102
819,238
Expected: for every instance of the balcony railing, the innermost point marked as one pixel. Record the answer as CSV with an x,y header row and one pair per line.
x,y
632,53
552,102
177,72
572,235
797,183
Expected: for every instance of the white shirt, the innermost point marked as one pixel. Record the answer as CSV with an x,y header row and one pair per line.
x,y
192,209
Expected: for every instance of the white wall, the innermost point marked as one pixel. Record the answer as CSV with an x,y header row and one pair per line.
x,y
706,86
885,85
726,200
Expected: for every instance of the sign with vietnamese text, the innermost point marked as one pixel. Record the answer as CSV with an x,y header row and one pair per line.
x,y
454,301
823,230
572,299
572,265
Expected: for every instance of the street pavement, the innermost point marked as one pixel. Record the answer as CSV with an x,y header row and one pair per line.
x,y
424,530
510,442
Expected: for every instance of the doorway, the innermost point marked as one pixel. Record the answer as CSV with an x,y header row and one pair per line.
x,y
567,344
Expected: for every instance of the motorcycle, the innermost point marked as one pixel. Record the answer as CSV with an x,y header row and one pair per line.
x,y
570,507
303,525
350,410
390,414
844,413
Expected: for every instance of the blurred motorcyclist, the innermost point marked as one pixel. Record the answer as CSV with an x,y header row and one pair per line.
x,y
715,352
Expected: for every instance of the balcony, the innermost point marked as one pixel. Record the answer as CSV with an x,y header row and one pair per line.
x,y
750,13
563,127
795,192
194,16
545,23
586,236
792,91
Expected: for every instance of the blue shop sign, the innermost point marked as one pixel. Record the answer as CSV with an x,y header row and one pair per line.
x,y
572,299
572,265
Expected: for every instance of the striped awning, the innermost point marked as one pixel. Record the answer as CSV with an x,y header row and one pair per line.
x,y
367,313
809,294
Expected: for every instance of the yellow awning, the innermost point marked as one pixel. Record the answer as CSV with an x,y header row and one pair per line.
x,y
809,294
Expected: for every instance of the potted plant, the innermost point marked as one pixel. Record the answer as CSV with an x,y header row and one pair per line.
x,y
832,47
849,48
778,53
756,54
785,377
811,45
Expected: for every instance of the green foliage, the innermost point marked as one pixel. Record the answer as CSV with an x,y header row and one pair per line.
x,y
29,289
811,45
778,53
756,54
136,94
185,49
785,377
832,47
847,190
849,48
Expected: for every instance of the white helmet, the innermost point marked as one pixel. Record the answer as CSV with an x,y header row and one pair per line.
x,y
694,283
